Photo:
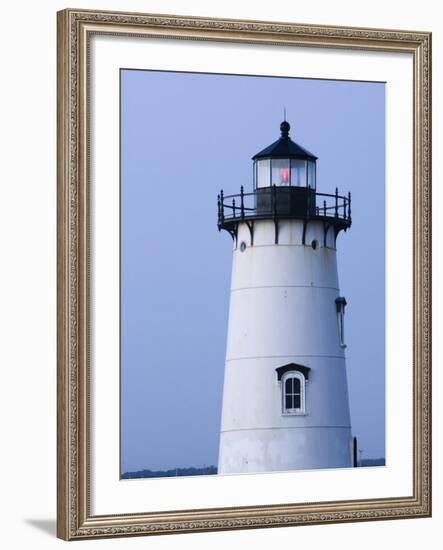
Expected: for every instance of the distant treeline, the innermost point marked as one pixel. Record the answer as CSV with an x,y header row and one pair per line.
x,y
205,471
211,470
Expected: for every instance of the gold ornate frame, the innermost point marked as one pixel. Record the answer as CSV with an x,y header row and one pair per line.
x,y
73,512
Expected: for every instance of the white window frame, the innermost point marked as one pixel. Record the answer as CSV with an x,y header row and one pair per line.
x,y
302,409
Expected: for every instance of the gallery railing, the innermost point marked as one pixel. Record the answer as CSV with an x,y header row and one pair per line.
x,y
284,203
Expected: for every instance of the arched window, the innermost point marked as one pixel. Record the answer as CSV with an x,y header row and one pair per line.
x,y
293,393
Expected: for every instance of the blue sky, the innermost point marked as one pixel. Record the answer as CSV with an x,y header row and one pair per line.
x,y
184,136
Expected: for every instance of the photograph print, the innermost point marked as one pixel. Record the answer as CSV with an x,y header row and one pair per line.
x,y
252,274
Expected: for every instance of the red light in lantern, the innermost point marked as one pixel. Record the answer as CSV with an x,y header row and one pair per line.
x,y
284,175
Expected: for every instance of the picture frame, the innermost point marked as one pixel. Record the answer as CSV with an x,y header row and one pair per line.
x,y
76,222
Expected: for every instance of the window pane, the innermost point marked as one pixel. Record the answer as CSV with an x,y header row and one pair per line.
x,y
280,172
297,402
311,174
296,385
298,173
288,402
289,387
263,173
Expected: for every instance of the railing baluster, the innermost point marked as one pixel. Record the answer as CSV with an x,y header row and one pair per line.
x,y
336,202
222,206
233,208
242,202
324,208
349,205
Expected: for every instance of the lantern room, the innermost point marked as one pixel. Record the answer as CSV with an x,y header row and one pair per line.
x,y
284,189
284,164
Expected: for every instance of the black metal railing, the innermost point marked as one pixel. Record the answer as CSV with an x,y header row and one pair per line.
x,y
281,203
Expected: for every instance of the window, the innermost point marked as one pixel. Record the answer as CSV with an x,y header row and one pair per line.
x,y
263,173
280,172
298,173
311,174
293,393
340,304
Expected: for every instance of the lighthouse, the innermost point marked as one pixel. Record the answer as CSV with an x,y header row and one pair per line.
x,y
285,394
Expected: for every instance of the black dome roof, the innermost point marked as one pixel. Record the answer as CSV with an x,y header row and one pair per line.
x,y
284,147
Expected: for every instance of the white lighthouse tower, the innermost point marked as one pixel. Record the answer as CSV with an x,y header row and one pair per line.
x,y
285,396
